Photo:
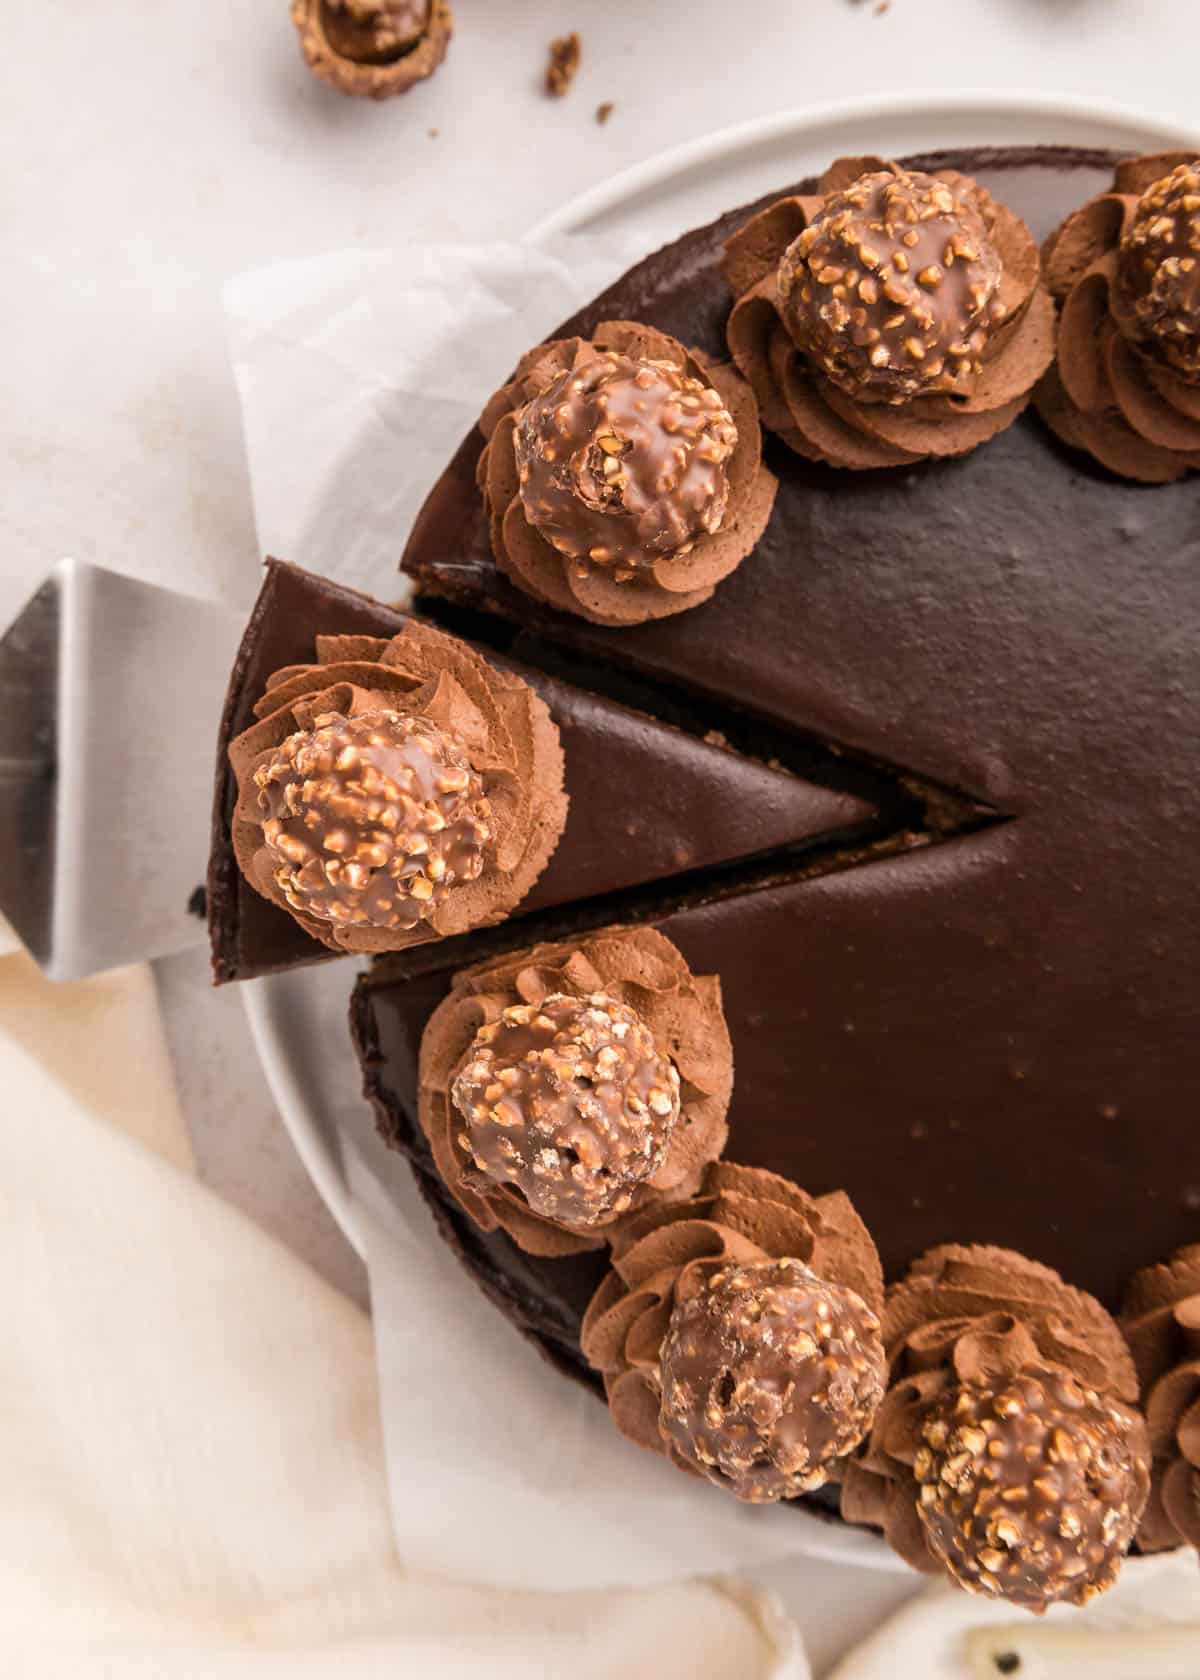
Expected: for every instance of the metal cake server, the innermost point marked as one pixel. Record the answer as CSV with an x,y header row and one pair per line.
x,y
110,698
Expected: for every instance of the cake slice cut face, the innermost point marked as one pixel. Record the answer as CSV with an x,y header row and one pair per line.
x,y
648,800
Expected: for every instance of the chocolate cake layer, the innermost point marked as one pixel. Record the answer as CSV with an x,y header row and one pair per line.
x,y
995,1039
648,800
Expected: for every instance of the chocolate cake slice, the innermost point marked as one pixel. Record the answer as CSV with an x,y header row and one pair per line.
x,y
994,1039
700,804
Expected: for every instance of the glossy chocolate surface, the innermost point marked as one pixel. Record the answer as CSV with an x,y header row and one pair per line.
x,y
648,800
994,1038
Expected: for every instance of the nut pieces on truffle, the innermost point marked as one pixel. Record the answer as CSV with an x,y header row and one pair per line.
x,y
599,1098
889,316
770,1375
892,288
622,476
395,790
622,461
570,1101
372,820
1032,1491
1125,268
1159,270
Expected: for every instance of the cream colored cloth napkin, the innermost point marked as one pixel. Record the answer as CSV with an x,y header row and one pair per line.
x,y
190,1449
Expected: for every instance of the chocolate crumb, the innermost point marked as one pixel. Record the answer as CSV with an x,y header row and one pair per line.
x,y
565,54
603,112
198,902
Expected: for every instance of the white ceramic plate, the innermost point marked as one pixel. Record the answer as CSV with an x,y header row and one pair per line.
x,y
299,1019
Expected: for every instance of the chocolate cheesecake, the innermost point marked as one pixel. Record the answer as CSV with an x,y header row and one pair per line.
x,y
708,805
983,1023
905,786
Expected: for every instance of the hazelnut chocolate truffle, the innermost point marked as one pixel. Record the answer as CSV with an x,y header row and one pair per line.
x,y
568,1089
1031,1489
893,316
770,1375
892,288
372,820
1125,269
1159,270
373,48
738,1332
1010,1396
622,461
622,477
396,791
571,1101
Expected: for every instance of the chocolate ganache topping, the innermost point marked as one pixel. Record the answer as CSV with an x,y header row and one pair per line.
x,y
1126,270
373,48
1007,1452
394,792
891,317
1162,1324
569,1088
738,1333
622,477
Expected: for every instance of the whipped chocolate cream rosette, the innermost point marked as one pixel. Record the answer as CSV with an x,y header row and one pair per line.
x,y
1126,270
566,1089
738,1333
891,317
623,477
1007,1453
396,792
1161,1322
373,48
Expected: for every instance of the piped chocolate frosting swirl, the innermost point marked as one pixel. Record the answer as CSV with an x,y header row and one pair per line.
x,y
890,317
1161,1321
395,792
1125,270
737,1333
967,1332
568,1089
622,477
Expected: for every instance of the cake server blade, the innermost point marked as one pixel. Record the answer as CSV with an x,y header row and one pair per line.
x,y
110,698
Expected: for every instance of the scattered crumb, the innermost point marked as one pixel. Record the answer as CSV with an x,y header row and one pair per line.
x,y
565,53
883,6
198,903
434,132
603,112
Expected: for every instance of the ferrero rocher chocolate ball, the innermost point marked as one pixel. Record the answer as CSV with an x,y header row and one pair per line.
x,y
892,288
372,820
374,31
1159,268
622,462
1032,1491
571,1102
770,1375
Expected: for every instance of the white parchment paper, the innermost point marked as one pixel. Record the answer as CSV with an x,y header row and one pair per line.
x,y
359,374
